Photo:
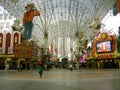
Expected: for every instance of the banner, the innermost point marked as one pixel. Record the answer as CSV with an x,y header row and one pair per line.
x,y
8,41
1,40
16,39
118,45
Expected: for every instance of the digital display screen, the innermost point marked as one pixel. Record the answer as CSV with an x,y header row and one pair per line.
x,y
104,47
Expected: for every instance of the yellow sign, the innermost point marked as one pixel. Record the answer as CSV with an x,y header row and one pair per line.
x,y
103,35
7,55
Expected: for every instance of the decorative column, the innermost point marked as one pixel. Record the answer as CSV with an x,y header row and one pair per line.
x,y
46,43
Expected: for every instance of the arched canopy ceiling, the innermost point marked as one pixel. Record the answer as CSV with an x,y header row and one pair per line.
x,y
60,18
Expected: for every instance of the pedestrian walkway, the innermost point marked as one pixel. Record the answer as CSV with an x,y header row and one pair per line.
x,y
61,79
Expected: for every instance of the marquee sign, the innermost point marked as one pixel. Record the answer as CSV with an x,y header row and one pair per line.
x,y
104,47
23,51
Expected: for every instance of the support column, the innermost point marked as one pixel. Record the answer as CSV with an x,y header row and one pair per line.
x,y
98,64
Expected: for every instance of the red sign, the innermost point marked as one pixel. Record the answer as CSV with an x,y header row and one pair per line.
x,y
23,51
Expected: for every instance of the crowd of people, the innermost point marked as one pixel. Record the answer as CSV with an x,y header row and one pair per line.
x,y
47,64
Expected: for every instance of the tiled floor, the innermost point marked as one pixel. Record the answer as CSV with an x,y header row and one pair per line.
x,y
55,79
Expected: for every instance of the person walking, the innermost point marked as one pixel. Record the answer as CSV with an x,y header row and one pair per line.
x,y
6,67
71,65
41,71
18,67
21,67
